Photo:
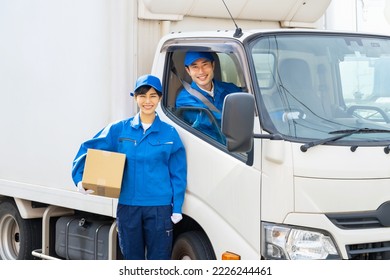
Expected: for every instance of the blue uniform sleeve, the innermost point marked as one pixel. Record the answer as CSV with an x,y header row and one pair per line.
x,y
101,141
178,173
185,99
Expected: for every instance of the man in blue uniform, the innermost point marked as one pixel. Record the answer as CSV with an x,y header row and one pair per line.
x,y
200,66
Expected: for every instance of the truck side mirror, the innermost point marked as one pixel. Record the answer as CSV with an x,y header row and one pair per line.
x,y
238,121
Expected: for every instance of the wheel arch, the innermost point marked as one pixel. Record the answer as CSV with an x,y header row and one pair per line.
x,y
28,209
18,236
223,236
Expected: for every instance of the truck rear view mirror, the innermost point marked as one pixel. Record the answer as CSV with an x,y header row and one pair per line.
x,y
238,121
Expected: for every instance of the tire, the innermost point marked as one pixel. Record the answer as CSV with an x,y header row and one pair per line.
x,y
18,237
193,245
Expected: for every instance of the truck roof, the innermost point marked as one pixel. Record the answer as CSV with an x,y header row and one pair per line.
x,y
229,33
287,12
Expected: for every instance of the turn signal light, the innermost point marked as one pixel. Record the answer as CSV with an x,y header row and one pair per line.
x,y
230,256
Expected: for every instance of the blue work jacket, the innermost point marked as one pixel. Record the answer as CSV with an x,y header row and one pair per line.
x,y
156,168
201,121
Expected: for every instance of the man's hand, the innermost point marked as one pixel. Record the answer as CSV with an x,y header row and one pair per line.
x,y
293,116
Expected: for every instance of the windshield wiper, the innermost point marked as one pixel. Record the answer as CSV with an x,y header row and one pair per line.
x,y
343,134
361,130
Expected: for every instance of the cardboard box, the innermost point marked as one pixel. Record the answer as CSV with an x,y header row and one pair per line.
x,y
103,172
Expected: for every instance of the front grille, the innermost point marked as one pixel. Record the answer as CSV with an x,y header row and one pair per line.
x,y
363,220
379,218
354,222
369,251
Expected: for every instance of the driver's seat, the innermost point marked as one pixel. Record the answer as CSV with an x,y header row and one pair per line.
x,y
296,89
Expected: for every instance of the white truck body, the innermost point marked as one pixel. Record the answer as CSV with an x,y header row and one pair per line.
x,y
67,72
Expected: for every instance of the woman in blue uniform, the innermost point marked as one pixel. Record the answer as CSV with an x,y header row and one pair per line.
x,y
154,179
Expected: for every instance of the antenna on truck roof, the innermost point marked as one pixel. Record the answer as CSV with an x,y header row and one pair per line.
x,y
238,32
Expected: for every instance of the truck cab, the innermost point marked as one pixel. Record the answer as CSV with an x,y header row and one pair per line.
x,y
311,182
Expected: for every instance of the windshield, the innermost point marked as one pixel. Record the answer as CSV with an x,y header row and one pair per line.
x,y
313,85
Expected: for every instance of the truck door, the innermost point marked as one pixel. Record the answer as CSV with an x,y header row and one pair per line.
x,y
223,192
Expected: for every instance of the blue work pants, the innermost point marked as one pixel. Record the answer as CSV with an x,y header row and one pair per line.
x,y
145,232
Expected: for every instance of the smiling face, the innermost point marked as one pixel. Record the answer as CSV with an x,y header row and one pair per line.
x,y
147,103
202,73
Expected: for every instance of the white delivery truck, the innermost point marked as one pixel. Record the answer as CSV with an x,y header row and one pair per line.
x,y
304,172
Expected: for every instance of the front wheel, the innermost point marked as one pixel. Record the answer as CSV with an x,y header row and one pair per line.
x,y
18,237
193,245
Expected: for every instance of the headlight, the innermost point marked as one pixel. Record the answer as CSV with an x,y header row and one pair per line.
x,y
283,242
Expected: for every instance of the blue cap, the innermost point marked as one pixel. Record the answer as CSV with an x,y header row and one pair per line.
x,y
148,80
191,57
